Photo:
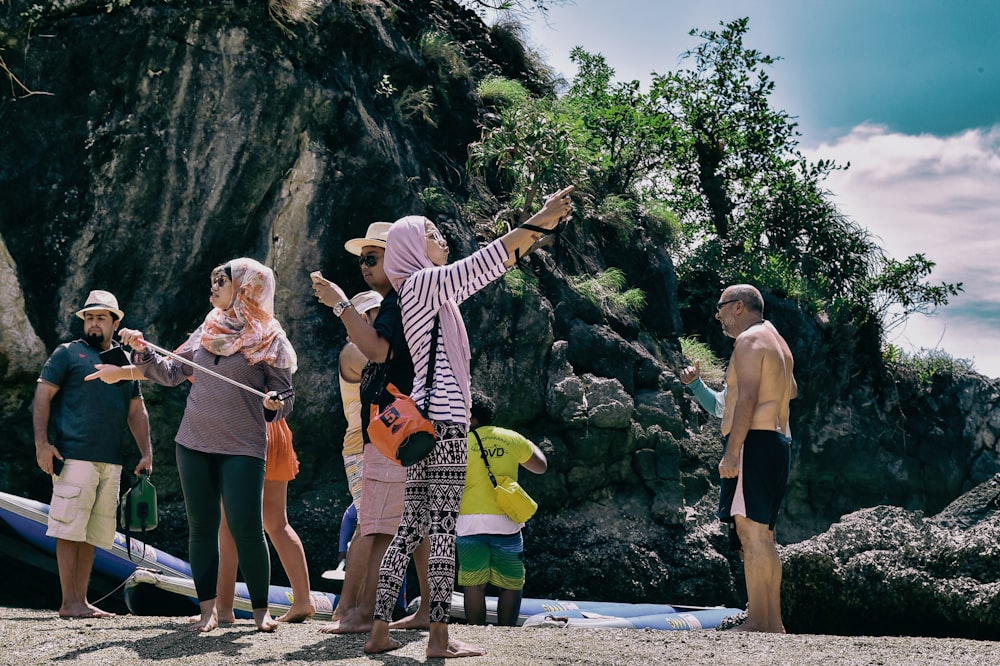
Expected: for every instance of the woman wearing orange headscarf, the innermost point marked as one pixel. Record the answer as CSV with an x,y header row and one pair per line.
x,y
222,440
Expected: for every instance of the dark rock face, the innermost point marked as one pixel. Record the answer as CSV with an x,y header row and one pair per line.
x,y
176,135
180,135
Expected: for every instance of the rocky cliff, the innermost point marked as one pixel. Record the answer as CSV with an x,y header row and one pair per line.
x,y
143,143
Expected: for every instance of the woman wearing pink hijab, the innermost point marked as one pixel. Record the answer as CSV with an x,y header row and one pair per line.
x,y
415,258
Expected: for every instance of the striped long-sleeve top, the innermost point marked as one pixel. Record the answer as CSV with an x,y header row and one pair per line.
x,y
420,297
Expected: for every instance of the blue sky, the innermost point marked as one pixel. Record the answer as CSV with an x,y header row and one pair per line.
x,y
907,91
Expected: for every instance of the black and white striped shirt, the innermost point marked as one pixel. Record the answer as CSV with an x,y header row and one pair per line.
x,y
420,297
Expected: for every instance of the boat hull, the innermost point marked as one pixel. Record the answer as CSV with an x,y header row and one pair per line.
x,y
140,563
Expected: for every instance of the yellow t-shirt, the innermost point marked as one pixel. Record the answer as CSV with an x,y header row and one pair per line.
x,y
506,450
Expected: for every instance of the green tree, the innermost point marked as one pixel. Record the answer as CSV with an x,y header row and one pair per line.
x,y
624,133
526,148
899,290
752,208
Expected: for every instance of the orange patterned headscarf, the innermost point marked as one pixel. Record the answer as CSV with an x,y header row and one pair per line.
x,y
249,325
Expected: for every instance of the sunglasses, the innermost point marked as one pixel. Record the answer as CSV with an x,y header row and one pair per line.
x,y
220,281
719,306
369,260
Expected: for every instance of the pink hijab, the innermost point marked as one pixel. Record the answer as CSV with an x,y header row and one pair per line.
x,y
405,255
253,330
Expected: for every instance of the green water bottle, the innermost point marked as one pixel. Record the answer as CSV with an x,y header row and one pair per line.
x,y
138,505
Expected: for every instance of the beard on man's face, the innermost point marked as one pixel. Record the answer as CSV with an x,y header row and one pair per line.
x,y
94,338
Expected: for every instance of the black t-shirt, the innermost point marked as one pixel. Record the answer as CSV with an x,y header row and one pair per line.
x,y
89,420
396,370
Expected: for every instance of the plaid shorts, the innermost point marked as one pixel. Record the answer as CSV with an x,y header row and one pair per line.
x,y
353,464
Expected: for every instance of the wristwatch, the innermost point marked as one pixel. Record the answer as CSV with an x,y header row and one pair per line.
x,y
339,308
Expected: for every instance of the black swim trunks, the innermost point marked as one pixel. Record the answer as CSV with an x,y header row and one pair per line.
x,y
758,490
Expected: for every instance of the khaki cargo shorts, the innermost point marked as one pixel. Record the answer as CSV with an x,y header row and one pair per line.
x,y
84,503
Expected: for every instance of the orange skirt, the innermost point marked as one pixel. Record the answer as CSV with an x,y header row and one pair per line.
x,y
282,463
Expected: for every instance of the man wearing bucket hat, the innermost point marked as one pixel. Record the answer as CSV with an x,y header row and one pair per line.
x,y
90,422
382,481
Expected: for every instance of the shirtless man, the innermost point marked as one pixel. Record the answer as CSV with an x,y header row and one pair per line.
x,y
754,468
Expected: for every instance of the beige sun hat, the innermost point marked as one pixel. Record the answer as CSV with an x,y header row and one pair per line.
x,y
377,231
99,299
366,300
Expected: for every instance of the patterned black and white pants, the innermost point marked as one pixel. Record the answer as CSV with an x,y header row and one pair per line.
x,y
431,502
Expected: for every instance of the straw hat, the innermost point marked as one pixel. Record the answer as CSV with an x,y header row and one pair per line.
x,y
101,300
366,300
377,231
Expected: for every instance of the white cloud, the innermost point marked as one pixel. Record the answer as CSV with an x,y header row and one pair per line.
x,y
939,196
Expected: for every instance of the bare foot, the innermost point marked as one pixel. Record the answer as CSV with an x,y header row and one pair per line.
x,y
416,621
746,626
83,610
353,622
206,622
298,613
330,628
454,649
262,617
740,627
98,612
221,618
374,646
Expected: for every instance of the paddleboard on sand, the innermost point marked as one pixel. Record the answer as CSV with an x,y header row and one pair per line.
x,y
679,621
29,519
156,582
611,612
279,600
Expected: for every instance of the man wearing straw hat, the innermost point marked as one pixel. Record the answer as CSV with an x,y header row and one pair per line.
x,y
90,422
383,481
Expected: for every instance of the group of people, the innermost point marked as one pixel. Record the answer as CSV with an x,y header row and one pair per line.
x,y
234,450
234,454
413,511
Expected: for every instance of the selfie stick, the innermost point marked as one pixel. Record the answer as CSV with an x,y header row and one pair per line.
x,y
161,350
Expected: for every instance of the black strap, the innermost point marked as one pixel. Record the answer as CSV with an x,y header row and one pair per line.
x,y
430,365
124,526
529,227
383,373
546,238
482,452
128,545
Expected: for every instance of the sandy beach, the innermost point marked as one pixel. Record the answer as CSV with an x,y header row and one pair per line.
x,y
32,636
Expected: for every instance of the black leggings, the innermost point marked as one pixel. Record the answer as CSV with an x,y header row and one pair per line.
x,y
239,482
